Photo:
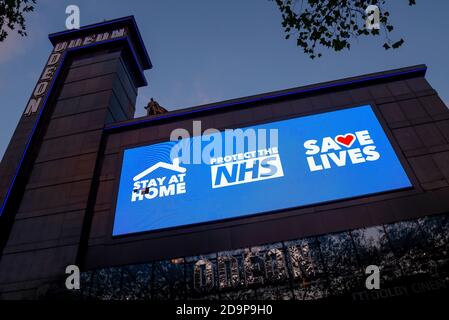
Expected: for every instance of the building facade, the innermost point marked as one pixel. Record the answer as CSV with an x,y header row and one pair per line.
x,y
60,179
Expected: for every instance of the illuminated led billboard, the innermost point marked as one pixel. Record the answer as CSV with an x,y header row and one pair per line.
x,y
283,164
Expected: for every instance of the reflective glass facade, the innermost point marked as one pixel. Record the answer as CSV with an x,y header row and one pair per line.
x,y
412,257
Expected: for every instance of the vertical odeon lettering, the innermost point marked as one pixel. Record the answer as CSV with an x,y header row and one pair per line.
x,y
54,61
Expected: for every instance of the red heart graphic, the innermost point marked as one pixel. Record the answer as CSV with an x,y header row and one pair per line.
x,y
347,140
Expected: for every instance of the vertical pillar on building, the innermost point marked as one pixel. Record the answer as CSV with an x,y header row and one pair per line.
x,y
47,173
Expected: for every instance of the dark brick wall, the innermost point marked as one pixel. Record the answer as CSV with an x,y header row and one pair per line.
x,y
415,119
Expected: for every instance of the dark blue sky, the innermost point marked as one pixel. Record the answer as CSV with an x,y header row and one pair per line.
x,y
205,51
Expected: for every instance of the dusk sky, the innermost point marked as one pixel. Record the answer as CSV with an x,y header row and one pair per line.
x,y
208,51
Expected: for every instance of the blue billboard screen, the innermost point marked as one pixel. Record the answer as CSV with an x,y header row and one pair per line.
x,y
296,162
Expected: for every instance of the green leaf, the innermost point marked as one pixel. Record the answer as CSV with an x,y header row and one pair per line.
x,y
397,44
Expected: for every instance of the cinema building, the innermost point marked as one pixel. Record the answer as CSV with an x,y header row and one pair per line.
x,y
355,174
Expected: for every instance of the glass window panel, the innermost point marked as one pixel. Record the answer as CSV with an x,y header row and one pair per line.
x,y
409,247
106,284
136,282
169,279
201,276
373,248
338,254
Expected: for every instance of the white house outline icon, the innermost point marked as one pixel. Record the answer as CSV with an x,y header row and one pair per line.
x,y
170,166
